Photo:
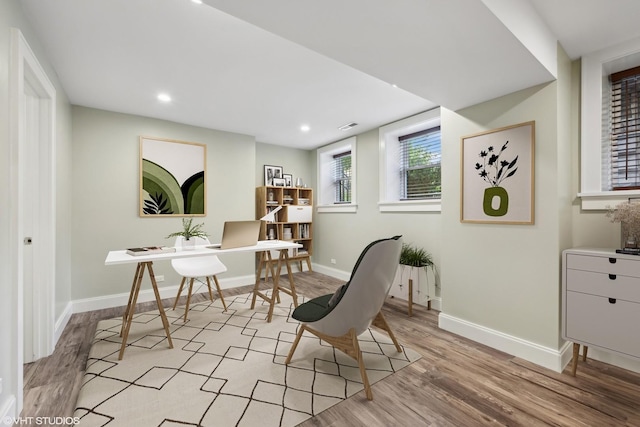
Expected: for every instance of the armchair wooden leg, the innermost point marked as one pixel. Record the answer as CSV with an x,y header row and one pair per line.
x,y
175,303
381,323
363,370
215,279
348,344
295,344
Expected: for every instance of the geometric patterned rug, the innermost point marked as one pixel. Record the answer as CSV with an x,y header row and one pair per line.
x,y
226,369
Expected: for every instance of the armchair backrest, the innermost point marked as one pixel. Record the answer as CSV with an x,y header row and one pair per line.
x,y
366,290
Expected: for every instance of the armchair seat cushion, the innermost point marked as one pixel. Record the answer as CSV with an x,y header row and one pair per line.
x,y
313,310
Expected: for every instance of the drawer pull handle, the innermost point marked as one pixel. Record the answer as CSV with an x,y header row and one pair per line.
x,y
612,276
612,260
612,300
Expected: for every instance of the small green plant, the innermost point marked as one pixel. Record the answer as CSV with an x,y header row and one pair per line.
x,y
189,230
415,257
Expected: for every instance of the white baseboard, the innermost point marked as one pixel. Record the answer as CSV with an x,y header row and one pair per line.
x,y
540,355
333,272
8,409
62,321
146,295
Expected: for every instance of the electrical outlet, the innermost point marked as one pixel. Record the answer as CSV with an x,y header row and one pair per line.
x,y
160,278
333,260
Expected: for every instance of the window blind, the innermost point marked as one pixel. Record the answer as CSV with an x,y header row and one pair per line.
x,y
420,158
625,129
342,177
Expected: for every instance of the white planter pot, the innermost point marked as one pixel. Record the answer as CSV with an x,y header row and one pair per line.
x,y
188,245
424,284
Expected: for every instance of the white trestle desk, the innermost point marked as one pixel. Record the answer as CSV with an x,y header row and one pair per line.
x,y
143,262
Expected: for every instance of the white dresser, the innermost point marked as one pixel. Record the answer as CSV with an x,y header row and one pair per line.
x,y
601,301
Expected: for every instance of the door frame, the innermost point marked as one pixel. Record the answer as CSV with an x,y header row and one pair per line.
x,y
25,71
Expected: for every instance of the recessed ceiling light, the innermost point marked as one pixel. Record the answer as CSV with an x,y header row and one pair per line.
x,y
394,85
305,128
164,97
196,1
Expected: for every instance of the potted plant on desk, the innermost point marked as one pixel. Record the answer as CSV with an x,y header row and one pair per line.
x,y
412,281
189,232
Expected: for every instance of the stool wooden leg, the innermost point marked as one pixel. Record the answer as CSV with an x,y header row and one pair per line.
x,y
215,279
186,309
175,303
584,353
209,286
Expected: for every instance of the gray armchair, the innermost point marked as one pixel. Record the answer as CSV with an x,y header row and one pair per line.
x,y
339,318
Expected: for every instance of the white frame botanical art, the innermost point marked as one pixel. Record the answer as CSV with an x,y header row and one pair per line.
x,y
497,182
172,178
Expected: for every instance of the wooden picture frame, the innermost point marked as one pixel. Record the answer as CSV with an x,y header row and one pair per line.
x,y
172,178
497,176
271,172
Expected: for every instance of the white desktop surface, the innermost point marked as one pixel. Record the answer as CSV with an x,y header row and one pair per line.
x,y
122,257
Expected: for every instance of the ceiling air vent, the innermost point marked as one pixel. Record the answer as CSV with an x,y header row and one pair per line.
x,y
348,126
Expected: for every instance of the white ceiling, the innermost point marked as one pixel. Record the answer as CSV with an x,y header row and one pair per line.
x,y
264,68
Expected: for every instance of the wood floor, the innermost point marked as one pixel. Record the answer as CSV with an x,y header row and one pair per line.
x,y
456,383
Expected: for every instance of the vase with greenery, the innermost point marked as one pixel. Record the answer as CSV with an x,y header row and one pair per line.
x,y
415,257
628,215
188,232
413,282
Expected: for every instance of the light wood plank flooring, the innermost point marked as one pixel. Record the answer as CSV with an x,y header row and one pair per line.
x,y
456,383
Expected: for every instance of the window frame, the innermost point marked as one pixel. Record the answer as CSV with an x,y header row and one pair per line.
x,y
596,68
389,179
326,189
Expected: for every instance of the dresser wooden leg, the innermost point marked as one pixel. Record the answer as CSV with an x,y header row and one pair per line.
x,y
574,361
584,353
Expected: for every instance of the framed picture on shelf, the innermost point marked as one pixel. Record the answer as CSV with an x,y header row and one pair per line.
x,y
288,180
279,182
270,173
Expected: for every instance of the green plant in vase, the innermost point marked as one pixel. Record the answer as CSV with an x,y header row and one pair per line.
x,y
494,171
188,232
415,257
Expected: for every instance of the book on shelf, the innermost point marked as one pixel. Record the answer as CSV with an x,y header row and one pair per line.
x,y
149,250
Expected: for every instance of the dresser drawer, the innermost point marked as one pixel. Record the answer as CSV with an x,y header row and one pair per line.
x,y
603,264
605,285
595,320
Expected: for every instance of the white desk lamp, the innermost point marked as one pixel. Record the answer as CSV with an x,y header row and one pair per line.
x,y
271,217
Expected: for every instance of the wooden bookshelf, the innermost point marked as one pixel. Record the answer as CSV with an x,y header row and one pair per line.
x,y
294,222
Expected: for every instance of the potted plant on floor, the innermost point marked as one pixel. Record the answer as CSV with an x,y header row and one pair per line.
x,y
189,232
413,281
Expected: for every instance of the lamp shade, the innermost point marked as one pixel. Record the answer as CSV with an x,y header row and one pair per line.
x,y
271,216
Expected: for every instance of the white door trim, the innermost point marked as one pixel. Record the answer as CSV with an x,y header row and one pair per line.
x,y
25,71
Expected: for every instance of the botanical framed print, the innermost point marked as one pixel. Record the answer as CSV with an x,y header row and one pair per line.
x,y
497,176
172,178
288,180
271,172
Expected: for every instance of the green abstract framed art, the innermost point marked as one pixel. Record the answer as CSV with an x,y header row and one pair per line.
x,y
172,178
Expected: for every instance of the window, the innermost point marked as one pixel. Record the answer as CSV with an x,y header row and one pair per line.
x,y
337,177
624,125
410,164
342,177
419,165
603,167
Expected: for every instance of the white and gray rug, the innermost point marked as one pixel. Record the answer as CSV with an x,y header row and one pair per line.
x,y
226,369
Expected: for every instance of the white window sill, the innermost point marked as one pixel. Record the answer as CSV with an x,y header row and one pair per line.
x,y
337,208
434,205
605,199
